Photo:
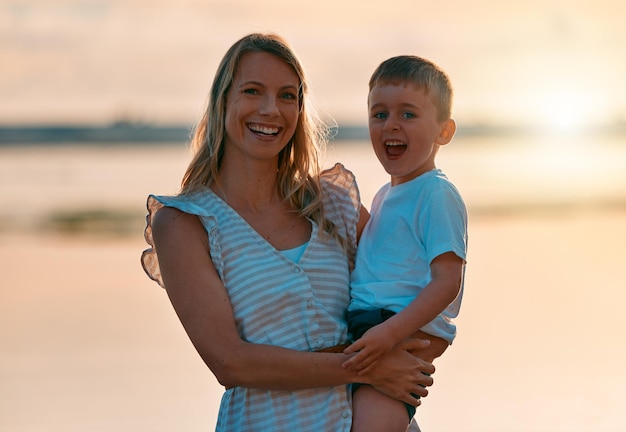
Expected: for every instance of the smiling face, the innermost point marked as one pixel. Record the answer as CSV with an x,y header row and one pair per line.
x,y
262,108
404,130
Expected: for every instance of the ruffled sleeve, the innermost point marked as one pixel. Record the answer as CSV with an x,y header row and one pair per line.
x,y
192,204
149,259
342,203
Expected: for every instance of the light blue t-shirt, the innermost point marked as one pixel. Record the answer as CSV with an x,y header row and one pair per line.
x,y
410,225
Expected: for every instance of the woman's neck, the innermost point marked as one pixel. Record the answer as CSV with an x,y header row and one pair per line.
x,y
254,186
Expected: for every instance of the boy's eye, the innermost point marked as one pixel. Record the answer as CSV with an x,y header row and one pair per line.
x,y
408,115
380,115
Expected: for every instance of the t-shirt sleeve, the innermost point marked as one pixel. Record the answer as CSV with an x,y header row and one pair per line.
x,y
445,224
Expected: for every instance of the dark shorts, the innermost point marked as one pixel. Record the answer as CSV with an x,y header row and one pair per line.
x,y
360,321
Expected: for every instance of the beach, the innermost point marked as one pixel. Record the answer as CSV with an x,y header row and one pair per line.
x,y
89,343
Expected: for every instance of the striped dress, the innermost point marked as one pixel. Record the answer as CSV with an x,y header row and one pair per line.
x,y
275,301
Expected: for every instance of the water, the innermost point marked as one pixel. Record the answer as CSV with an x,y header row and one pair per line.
x,y
497,175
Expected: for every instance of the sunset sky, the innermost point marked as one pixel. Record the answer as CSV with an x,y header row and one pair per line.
x,y
541,62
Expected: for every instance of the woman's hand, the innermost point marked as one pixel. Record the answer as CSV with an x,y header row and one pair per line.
x,y
399,374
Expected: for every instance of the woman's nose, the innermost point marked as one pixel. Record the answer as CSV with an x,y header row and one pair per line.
x,y
269,106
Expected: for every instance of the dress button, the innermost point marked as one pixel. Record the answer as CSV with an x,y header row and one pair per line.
x,y
296,270
309,304
345,414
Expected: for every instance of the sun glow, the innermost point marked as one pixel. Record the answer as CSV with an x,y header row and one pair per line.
x,y
568,108
569,112
563,111
558,94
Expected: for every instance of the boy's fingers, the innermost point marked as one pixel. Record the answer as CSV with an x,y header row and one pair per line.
x,y
368,368
356,346
359,361
349,350
352,363
366,363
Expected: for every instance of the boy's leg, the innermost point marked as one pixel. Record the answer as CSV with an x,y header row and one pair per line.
x,y
435,349
373,411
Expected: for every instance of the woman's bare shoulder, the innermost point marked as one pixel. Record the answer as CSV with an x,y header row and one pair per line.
x,y
170,221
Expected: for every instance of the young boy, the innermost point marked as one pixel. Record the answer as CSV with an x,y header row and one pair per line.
x,y
408,276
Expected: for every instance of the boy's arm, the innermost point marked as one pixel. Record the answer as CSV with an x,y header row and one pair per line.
x,y
447,274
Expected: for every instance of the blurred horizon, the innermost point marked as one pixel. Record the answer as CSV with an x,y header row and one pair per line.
x,y
123,131
543,65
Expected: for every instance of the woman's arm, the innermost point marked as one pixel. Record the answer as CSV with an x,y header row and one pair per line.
x,y
203,307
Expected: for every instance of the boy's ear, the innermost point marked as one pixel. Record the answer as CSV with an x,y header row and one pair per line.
x,y
448,128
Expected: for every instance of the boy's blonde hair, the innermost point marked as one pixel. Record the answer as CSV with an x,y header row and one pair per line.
x,y
421,73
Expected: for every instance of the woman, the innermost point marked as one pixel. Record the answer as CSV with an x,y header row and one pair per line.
x,y
255,253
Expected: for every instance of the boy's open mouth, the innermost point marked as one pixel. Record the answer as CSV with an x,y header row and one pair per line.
x,y
395,148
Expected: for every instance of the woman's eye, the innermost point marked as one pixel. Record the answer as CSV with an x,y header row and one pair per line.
x,y
251,91
289,95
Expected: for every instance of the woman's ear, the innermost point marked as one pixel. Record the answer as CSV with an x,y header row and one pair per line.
x,y
448,128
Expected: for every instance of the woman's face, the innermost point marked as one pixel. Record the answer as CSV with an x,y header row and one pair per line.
x,y
262,107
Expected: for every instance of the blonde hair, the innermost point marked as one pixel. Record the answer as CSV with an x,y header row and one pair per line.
x,y
421,73
298,162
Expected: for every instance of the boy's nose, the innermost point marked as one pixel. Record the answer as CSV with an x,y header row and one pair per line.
x,y
391,124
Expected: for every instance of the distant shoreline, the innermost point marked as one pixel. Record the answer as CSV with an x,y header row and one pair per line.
x,y
125,132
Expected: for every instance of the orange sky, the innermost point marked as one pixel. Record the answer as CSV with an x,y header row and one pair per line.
x,y
540,62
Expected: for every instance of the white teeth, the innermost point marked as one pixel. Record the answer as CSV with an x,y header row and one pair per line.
x,y
394,143
263,129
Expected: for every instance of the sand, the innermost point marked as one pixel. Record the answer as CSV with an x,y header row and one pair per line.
x,y
89,343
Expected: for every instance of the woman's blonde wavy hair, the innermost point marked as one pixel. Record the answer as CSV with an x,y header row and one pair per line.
x,y
298,162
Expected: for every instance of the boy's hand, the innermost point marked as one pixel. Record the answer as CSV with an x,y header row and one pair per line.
x,y
375,342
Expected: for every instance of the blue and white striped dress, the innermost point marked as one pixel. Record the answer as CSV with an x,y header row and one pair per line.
x,y
275,301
